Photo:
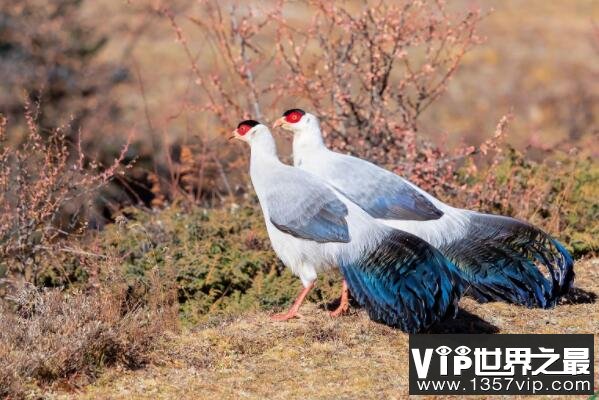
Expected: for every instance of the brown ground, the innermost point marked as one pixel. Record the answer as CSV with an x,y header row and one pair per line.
x,y
318,357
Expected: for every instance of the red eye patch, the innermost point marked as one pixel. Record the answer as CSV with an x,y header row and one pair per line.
x,y
243,129
293,117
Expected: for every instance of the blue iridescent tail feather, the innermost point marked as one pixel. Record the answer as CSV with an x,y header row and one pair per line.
x,y
504,259
405,283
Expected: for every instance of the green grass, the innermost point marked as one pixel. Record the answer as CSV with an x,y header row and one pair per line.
x,y
221,259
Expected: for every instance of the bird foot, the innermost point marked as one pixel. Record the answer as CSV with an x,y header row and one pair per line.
x,y
286,316
342,309
343,303
293,311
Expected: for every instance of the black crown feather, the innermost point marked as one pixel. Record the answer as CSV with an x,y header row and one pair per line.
x,y
248,122
299,110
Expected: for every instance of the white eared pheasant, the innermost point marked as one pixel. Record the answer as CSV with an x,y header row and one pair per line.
x,y
400,279
499,256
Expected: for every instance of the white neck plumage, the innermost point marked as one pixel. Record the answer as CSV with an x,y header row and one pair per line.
x,y
307,140
263,144
263,153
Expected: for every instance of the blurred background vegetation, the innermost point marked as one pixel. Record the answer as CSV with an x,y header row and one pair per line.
x,y
115,175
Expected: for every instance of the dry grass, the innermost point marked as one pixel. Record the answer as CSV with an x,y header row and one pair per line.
x,y
317,357
52,338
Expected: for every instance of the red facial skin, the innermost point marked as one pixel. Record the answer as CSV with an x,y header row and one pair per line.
x,y
293,117
243,129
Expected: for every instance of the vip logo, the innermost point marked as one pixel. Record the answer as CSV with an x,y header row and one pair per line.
x,y
501,364
460,360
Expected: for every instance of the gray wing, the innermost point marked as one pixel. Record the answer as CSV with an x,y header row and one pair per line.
x,y
303,207
379,192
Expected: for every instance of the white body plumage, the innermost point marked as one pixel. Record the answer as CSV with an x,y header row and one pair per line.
x,y
310,154
304,257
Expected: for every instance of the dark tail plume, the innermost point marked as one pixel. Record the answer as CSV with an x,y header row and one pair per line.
x,y
405,283
509,260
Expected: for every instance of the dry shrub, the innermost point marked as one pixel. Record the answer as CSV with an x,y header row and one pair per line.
x,y
367,70
45,187
50,336
370,71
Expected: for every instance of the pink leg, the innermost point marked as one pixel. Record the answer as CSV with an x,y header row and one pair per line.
x,y
292,313
344,304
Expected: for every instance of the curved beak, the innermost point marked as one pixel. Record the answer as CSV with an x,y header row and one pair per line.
x,y
279,122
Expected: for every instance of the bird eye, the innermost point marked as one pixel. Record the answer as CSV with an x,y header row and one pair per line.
x,y
463,350
293,117
443,350
243,129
